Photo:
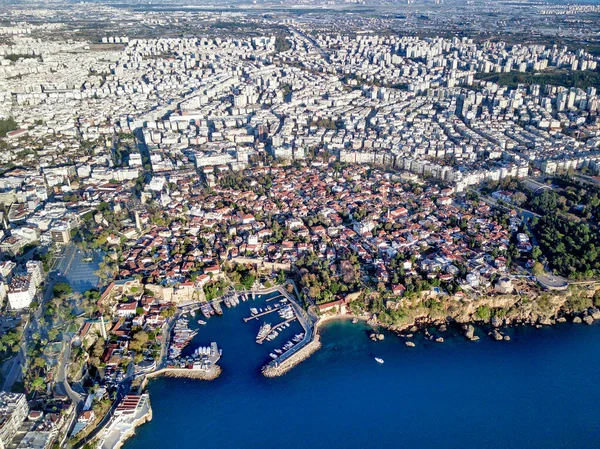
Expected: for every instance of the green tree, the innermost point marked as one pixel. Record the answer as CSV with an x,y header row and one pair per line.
x,y
138,341
7,125
38,384
62,289
282,44
483,313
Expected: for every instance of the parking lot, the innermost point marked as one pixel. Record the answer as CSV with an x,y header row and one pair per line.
x,y
78,268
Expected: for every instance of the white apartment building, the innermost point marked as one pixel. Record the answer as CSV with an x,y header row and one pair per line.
x,y
36,269
21,291
13,411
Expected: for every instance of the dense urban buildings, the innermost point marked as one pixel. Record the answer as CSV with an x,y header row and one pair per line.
x,y
403,162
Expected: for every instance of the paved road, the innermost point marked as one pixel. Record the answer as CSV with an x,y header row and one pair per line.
x,y
62,385
527,214
166,332
311,41
65,259
122,390
588,179
14,372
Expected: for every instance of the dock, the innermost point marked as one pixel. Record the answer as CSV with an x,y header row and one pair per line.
x,y
278,326
275,297
258,315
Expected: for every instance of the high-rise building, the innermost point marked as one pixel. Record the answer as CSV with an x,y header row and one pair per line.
x,y
61,234
36,269
13,411
21,291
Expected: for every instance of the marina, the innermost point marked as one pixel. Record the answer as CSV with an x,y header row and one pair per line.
x,y
290,312
274,298
202,358
295,328
261,304
210,308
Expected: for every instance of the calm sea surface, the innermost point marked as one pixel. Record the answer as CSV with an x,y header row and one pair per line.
x,y
539,390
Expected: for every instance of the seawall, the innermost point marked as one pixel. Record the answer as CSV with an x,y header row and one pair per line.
x,y
187,373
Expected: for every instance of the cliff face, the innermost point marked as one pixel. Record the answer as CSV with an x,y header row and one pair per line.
x,y
536,307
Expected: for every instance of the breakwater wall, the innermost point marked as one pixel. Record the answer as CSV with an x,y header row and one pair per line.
x,y
302,354
187,373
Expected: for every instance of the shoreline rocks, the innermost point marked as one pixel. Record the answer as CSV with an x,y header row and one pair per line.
x,y
497,335
376,336
469,330
496,322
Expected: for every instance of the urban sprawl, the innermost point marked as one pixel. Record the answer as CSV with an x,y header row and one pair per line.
x,y
340,160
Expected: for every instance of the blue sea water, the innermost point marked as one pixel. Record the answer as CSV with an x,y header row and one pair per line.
x,y
539,390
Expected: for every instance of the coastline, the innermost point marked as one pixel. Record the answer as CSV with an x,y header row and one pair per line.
x,y
464,317
330,366
175,373
131,432
314,345
122,427
422,322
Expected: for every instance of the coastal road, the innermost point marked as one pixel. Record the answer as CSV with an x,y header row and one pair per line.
x,y
122,390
